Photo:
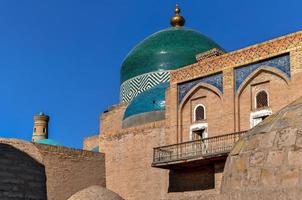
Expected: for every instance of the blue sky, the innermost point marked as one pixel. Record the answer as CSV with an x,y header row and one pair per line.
x,y
63,57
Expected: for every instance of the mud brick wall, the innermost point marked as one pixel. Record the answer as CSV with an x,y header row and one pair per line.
x,y
21,176
69,170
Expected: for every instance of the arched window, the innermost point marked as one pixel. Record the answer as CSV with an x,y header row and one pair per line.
x,y
261,99
199,113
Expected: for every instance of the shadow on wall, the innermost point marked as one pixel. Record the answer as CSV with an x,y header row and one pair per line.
x,y
191,179
21,176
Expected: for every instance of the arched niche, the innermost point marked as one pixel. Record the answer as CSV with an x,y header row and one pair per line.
x,y
202,94
269,79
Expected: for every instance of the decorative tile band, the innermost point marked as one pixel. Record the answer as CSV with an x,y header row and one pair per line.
x,y
216,80
239,57
282,63
132,87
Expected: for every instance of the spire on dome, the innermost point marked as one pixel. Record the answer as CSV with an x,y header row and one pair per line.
x,y
177,20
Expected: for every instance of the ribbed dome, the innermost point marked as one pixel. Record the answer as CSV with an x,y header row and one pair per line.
x,y
168,49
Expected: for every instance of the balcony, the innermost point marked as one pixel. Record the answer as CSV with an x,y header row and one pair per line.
x,y
195,152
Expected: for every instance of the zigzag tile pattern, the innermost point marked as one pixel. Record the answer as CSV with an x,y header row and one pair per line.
x,y
133,87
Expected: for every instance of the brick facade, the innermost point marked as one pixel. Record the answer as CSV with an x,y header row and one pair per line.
x,y
233,112
229,107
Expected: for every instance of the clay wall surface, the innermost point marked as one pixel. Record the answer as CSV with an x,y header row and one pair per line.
x,y
21,176
32,171
129,155
70,170
90,142
128,163
194,179
111,121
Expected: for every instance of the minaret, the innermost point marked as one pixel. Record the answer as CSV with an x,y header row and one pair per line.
x,y
40,130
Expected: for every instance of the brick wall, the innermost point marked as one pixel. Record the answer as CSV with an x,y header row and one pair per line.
x,y
32,171
70,170
213,112
91,142
129,155
192,179
232,111
21,176
129,151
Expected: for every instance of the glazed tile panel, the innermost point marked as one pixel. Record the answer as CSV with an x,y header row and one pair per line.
x,y
281,63
215,80
133,87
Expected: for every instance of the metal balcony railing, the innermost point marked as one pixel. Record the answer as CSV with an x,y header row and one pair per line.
x,y
208,147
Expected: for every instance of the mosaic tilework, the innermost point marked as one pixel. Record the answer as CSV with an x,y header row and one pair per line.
x,y
216,80
238,58
282,63
148,101
139,84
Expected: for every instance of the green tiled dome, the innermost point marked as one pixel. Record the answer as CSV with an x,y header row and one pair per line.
x,y
148,101
95,149
48,142
168,49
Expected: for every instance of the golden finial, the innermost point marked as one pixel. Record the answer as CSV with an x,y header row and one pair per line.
x,y
177,20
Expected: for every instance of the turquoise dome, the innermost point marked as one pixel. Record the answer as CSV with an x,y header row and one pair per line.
x,y
48,142
168,49
95,149
148,101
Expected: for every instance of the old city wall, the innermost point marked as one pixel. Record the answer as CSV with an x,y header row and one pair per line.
x,y
36,171
70,170
22,175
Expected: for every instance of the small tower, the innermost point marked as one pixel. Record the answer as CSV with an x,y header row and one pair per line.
x,y
40,130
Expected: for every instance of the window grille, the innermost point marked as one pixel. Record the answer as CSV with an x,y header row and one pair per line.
x,y
261,99
199,113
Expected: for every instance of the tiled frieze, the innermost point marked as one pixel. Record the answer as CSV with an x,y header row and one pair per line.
x,y
133,87
238,58
296,61
215,80
282,63
228,79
